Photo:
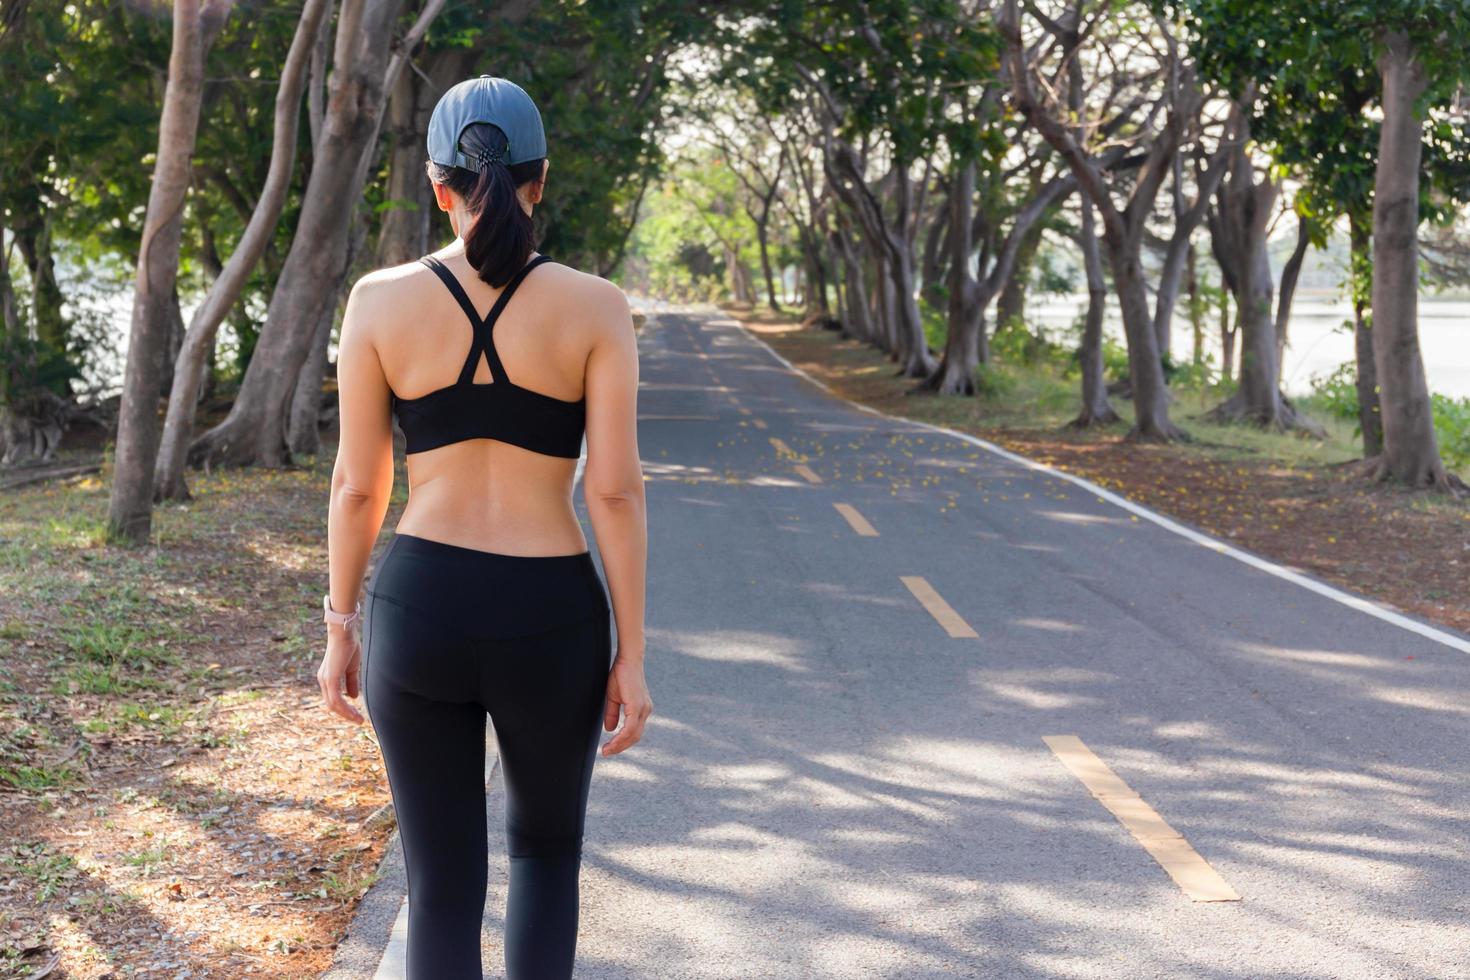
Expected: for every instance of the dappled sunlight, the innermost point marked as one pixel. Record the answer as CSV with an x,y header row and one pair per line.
x,y
1039,688
733,646
1196,729
1033,698
282,554
845,593
1326,658
685,473
1049,625
1426,698
1077,517
771,480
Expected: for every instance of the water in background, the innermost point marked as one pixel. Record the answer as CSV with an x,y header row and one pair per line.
x,y
1315,344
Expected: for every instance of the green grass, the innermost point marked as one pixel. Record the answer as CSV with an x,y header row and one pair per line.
x,y
1033,383
47,871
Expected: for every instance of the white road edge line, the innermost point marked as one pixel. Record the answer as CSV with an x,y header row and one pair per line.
x,y
1245,557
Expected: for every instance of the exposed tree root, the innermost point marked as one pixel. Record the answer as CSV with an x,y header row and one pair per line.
x,y
1235,411
1168,432
943,380
32,427
234,443
1375,469
1089,419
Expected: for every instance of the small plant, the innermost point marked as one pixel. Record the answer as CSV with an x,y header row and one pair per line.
x,y
993,381
1452,429
1336,393
48,870
1115,359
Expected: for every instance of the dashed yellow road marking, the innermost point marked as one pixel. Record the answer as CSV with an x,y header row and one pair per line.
x,y
758,423
781,446
805,472
942,611
858,521
742,409
1190,872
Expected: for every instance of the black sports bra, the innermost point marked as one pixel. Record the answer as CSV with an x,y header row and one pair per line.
x,y
501,409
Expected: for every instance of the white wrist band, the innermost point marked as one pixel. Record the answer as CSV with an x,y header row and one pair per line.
x,y
330,615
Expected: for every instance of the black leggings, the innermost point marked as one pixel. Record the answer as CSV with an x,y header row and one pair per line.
x,y
450,633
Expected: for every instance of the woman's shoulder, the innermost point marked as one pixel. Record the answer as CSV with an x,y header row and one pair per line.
x,y
564,294
583,297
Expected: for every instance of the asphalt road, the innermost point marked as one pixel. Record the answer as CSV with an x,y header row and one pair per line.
x,y
833,785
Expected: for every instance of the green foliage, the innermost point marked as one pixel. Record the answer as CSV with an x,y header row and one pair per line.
x,y
1115,359
688,224
891,64
1314,63
994,381
1191,375
1336,392
1015,343
1452,429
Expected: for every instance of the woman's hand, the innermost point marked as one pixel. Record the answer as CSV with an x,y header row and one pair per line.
x,y
340,668
626,689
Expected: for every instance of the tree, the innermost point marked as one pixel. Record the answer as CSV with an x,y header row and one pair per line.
x,y
1320,65
1165,91
1410,451
255,429
1239,233
130,506
169,483
879,72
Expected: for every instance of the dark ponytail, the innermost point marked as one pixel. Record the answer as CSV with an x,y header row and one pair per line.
x,y
500,240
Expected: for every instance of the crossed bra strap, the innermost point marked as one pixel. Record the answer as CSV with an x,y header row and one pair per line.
x,y
483,328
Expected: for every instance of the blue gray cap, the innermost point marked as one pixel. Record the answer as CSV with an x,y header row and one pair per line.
x,y
486,100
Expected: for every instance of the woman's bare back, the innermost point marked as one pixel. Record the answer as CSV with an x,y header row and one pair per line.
x,y
483,493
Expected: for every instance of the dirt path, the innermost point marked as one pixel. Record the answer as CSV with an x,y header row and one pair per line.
x,y
175,801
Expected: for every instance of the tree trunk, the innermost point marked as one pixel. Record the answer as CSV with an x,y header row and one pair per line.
x,y
306,402
33,236
887,305
1239,233
936,246
858,317
1290,275
739,284
1370,419
173,342
130,508
9,320
970,295
1227,338
403,235
191,374
255,429
1196,306
956,372
304,433
1410,451
761,234
1145,369
914,345
1010,308
1096,409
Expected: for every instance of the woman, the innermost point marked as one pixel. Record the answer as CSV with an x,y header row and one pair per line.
x,y
487,598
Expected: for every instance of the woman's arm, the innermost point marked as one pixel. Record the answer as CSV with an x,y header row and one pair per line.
x,y
362,482
612,485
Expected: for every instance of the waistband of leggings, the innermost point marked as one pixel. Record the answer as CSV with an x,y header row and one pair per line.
x,y
414,545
